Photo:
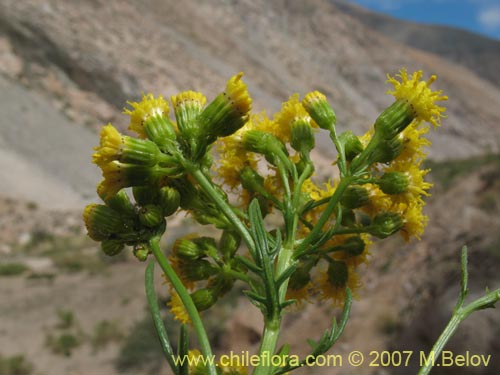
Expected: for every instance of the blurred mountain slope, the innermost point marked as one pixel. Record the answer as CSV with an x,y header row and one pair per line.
x,y
478,53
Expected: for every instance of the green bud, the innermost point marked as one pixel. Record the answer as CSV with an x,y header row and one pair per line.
x,y
229,243
199,269
150,216
354,197
227,112
394,119
187,249
338,273
352,145
169,200
353,246
187,107
144,195
119,202
318,108
141,251
111,247
204,298
393,183
207,245
161,131
264,143
102,222
252,180
302,137
387,150
385,224
139,151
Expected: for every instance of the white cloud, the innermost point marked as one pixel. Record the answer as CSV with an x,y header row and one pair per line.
x,y
489,18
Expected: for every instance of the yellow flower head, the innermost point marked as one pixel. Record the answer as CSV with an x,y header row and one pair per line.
x,y
177,308
317,106
414,221
148,107
414,143
418,95
237,93
188,98
110,145
291,111
333,285
118,175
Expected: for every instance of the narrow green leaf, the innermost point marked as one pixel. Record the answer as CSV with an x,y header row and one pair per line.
x,y
183,349
285,275
157,320
247,263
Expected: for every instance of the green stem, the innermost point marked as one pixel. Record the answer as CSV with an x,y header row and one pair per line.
x,y
223,206
272,326
460,313
358,163
158,321
187,301
343,184
458,317
341,151
237,275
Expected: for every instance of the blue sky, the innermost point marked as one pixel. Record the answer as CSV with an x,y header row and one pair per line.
x,y
481,16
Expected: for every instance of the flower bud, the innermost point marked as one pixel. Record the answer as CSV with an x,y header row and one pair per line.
x,y
228,112
118,176
338,273
252,180
354,197
264,143
112,247
141,251
101,222
144,195
321,112
302,137
198,269
207,245
352,145
150,216
393,183
204,298
385,224
187,107
119,202
353,246
169,200
394,119
187,249
387,150
229,243
149,118
115,146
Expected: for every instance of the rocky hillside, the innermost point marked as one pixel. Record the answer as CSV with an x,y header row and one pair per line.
x,y
475,52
